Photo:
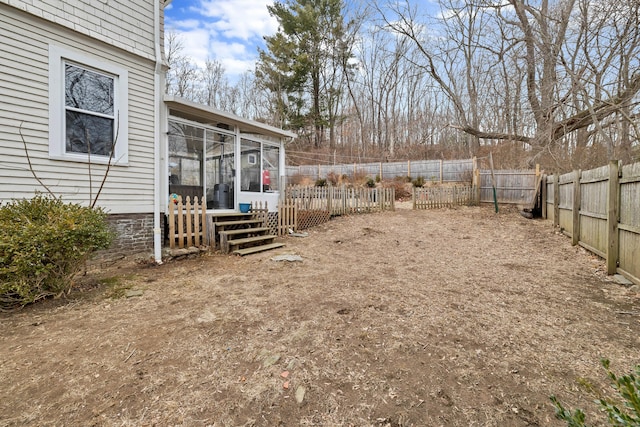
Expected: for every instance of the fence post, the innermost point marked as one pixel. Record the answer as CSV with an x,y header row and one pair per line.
x,y
556,199
180,223
204,225
189,225
408,167
478,180
543,196
413,197
441,171
613,209
575,209
172,224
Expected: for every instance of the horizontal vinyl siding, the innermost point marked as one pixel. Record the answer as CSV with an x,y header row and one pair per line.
x,y
24,90
126,24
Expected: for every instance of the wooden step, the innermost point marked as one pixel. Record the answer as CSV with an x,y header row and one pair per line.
x,y
226,236
243,231
252,239
232,215
255,249
240,222
227,246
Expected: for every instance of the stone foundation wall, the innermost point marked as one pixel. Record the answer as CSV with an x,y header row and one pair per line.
x,y
134,238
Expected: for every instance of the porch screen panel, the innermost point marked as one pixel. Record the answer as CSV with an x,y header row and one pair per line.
x,y
185,160
220,170
270,167
251,162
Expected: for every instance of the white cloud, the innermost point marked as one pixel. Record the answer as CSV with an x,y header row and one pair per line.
x,y
196,44
242,19
229,31
234,56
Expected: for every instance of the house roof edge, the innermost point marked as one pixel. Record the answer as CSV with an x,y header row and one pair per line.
x,y
205,111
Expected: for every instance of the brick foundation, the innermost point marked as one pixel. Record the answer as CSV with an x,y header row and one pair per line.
x,y
134,238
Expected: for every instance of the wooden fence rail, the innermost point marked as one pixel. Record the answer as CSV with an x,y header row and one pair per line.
x,y
441,197
307,206
341,200
600,210
187,223
287,217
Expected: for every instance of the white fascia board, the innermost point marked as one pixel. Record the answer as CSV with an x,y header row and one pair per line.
x,y
213,114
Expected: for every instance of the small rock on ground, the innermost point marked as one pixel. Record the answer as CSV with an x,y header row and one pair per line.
x,y
291,258
133,293
622,280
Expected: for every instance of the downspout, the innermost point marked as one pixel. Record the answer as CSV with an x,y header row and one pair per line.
x,y
157,230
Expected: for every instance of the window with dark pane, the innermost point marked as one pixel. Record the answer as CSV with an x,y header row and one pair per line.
x,y
89,111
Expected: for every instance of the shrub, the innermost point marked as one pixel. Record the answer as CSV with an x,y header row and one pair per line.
x,y
333,178
370,183
44,242
321,182
401,191
418,182
359,176
378,179
628,415
298,179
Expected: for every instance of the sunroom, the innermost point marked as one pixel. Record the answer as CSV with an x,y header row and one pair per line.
x,y
224,158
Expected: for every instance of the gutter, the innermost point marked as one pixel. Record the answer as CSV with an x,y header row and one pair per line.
x,y
157,100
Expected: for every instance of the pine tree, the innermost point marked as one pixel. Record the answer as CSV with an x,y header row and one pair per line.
x,y
303,65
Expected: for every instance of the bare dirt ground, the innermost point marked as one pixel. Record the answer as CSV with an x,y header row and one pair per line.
x,y
455,317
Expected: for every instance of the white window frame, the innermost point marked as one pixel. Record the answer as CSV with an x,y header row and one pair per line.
x,y
58,57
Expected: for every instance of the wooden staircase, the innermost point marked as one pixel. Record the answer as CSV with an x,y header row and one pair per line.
x,y
243,233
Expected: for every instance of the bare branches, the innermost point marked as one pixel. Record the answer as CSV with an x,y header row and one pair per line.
x,y
109,162
597,112
92,200
33,172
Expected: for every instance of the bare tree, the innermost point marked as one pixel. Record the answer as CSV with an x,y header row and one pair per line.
x,y
182,72
212,83
564,93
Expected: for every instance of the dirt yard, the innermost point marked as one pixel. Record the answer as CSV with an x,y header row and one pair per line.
x,y
409,318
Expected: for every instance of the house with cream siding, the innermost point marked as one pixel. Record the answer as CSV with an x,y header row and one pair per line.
x,y
82,95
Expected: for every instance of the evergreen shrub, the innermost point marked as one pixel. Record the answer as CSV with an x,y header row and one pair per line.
x,y
623,413
44,243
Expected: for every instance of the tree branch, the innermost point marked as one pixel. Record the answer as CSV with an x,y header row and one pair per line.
x,y
33,172
599,111
106,172
492,135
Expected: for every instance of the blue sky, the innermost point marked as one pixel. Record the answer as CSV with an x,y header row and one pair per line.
x,y
227,30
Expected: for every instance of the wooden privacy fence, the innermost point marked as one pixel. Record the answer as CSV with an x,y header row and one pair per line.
x,y
512,186
186,223
600,210
432,170
443,197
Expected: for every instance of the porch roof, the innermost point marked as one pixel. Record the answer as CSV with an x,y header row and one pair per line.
x,y
209,114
